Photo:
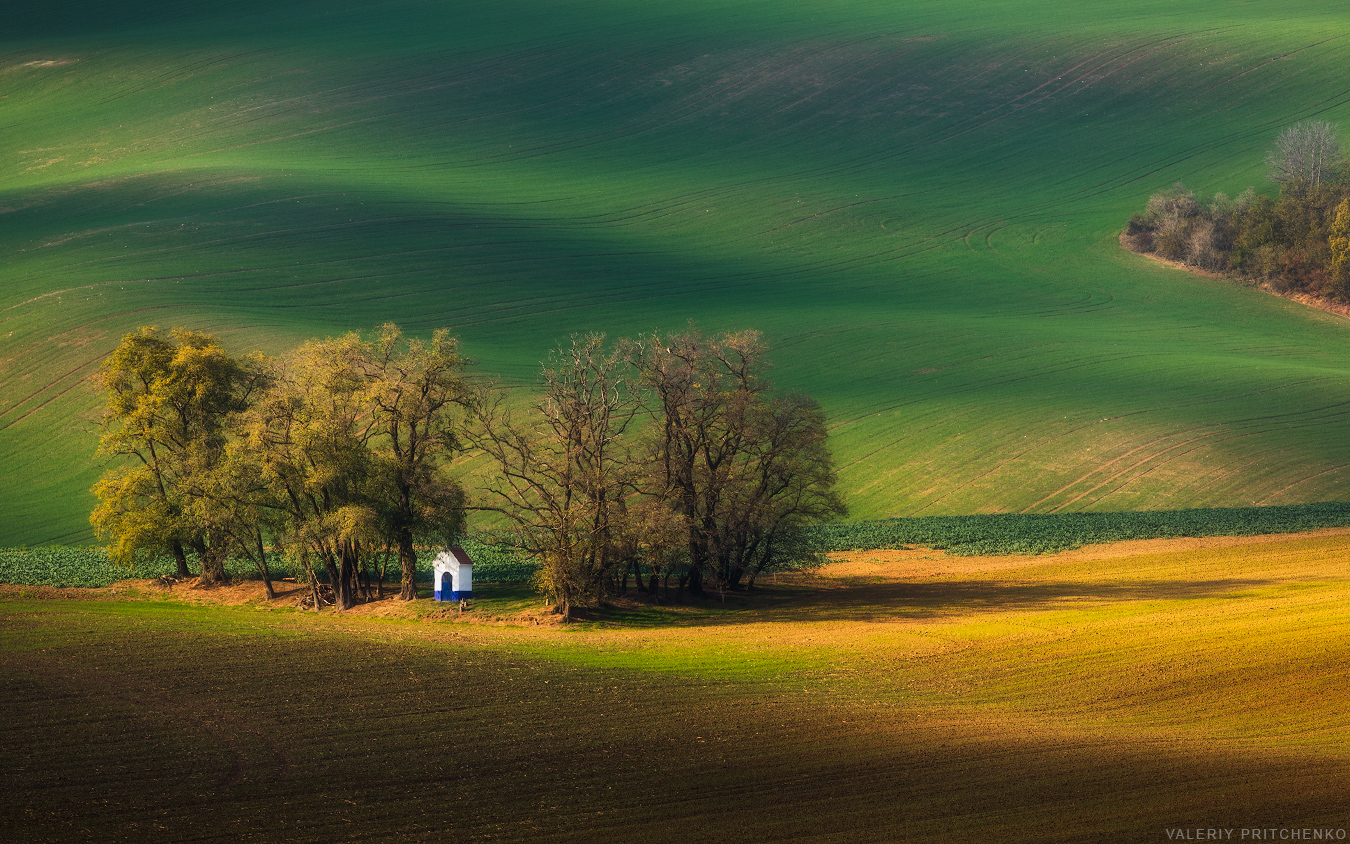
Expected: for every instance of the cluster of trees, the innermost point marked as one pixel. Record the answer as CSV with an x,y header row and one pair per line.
x,y
333,456
665,457
1299,241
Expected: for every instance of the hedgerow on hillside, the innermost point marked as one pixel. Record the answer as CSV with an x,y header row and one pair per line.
x,y
1296,242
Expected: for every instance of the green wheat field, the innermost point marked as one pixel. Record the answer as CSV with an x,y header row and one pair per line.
x,y
917,203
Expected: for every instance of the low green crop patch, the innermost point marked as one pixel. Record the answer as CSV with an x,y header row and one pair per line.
x,y
91,568
1046,533
988,533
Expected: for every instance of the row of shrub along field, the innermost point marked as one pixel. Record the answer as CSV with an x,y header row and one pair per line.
x,y
917,203
1046,533
91,568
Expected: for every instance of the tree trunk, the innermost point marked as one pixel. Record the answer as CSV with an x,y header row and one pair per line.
x,y
262,568
338,581
695,581
737,575
407,560
312,578
213,564
652,586
363,580
346,597
384,565
180,557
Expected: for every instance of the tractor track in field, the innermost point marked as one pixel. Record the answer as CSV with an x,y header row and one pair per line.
x,y
668,117
81,367
52,398
1154,455
1300,481
1336,100
909,434
1173,458
292,136
67,333
1221,473
1223,431
177,73
996,379
1275,59
997,467
1011,105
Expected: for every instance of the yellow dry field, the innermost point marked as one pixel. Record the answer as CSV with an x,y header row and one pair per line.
x,y
1165,682
1115,693
1238,641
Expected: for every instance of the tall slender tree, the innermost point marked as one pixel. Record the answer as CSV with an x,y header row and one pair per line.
x,y
169,402
418,396
309,435
564,470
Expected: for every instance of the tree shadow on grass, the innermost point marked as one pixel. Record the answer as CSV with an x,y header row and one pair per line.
x,y
891,601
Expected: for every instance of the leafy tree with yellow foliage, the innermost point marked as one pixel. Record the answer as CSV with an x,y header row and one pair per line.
x,y
169,402
1339,240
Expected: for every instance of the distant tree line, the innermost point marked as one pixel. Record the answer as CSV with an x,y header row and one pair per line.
x,y
1298,241
666,457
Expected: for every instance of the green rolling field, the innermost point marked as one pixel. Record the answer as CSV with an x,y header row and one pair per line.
x,y
916,202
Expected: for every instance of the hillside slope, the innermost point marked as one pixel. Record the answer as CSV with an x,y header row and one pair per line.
x,y
917,205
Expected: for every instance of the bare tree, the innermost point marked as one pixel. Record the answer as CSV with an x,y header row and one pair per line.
x,y
785,482
704,391
565,468
744,468
1306,154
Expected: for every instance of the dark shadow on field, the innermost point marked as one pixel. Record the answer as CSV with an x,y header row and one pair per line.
x,y
889,601
164,729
